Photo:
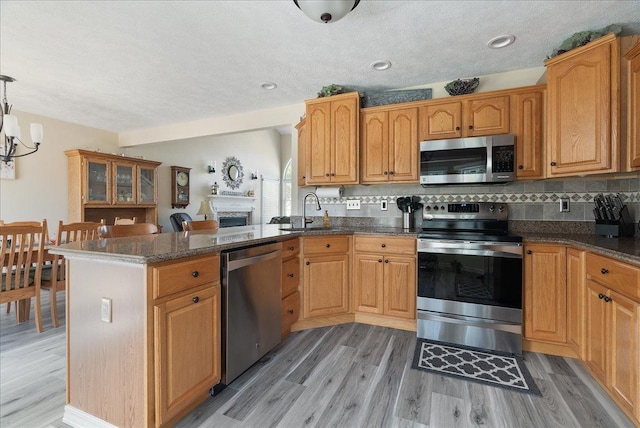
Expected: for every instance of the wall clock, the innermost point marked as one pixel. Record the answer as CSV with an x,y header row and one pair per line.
x,y
180,186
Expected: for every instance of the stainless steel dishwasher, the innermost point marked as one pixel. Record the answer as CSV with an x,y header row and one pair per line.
x,y
250,306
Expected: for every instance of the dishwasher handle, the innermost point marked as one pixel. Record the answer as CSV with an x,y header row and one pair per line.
x,y
240,263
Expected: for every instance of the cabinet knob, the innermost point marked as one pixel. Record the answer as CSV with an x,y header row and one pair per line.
x,y
304,177
195,273
328,245
379,260
308,263
520,167
553,164
385,173
600,296
457,128
607,299
290,275
327,174
290,311
470,126
292,248
529,252
386,261
384,245
196,299
604,271
333,174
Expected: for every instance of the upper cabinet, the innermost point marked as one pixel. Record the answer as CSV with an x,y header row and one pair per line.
x,y
389,146
332,139
528,127
102,186
471,117
302,151
584,120
633,102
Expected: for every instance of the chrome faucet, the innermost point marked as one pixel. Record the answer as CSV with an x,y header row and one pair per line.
x,y
306,220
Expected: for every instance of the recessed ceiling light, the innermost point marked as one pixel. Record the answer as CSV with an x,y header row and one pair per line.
x,y
381,65
501,41
268,86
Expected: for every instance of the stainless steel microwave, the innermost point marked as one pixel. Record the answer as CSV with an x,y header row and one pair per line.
x,y
488,159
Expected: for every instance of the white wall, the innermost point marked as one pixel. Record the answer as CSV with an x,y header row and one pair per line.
x,y
257,150
40,188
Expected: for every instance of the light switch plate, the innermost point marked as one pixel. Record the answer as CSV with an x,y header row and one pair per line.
x,y
106,310
384,205
564,205
353,204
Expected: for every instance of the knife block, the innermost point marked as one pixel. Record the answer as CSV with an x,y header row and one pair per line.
x,y
624,226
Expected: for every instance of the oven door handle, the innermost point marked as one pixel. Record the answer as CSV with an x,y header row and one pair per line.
x,y
508,252
471,321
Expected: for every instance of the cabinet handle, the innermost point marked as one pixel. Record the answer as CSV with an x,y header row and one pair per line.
x,y
386,261
457,128
195,274
304,177
470,126
328,245
520,167
604,271
384,245
290,311
391,172
553,164
385,173
333,174
529,252
308,263
327,174
292,248
607,299
290,275
600,296
379,260
196,299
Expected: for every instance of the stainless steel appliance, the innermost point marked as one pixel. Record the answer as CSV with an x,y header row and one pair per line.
x,y
470,277
468,160
250,306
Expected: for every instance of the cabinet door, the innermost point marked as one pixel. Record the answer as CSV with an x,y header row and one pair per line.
x,y
634,109
124,183
400,286
579,92
440,121
625,360
575,299
486,116
545,306
97,179
375,151
344,140
526,125
596,347
318,153
326,285
302,150
147,187
368,283
189,322
403,145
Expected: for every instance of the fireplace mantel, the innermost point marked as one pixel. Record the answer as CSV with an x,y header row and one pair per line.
x,y
226,203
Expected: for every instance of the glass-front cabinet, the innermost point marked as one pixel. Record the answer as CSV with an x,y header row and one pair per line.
x,y
98,178
124,191
146,185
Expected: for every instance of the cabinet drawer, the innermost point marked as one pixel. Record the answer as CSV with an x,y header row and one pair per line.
x,y
173,277
618,276
326,245
290,276
384,244
290,248
290,312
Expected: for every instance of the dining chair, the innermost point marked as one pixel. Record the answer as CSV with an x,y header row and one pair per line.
x,y
119,220
200,225
177,219
121,230
54,275
22,253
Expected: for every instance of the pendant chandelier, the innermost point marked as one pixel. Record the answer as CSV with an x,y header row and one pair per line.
x,y
9,123
326,10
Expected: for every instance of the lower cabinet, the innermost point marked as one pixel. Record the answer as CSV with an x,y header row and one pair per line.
x,y
575,300
290,310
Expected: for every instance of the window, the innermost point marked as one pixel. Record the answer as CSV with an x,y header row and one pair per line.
x,y
286,189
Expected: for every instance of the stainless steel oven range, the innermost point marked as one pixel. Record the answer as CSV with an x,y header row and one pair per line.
x,y
470,277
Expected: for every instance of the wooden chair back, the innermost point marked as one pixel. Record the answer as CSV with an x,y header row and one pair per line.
x,y
21,254
199,225
119,220
53,276
121,230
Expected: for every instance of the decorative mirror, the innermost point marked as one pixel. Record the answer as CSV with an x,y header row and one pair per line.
x,y
232,172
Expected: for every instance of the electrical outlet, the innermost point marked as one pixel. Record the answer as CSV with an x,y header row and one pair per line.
x,y
564,205
384,205
353,204
106,313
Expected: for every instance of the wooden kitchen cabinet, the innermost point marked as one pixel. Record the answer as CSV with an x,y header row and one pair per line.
x,y
104,186
475,116
527,126
290,283
302,150
633,100
390,146
545,299
575,300
326,275
332,139
385,276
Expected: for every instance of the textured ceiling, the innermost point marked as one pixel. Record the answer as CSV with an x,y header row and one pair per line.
x,y
125,65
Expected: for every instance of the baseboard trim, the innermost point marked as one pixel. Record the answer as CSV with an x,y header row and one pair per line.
x,y
79,419
385,321
561,350
324,321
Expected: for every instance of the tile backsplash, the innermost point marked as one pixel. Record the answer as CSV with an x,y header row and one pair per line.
x,y
530,200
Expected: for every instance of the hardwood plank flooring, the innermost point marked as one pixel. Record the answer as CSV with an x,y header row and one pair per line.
x,y
348,375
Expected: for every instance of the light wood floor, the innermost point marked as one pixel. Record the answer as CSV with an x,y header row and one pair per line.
x,y
350,375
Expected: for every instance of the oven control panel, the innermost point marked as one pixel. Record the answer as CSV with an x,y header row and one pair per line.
x,y
466,210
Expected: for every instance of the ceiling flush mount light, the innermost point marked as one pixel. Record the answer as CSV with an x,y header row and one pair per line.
x,y
268,86
501,41
326,10
12,129
381,65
